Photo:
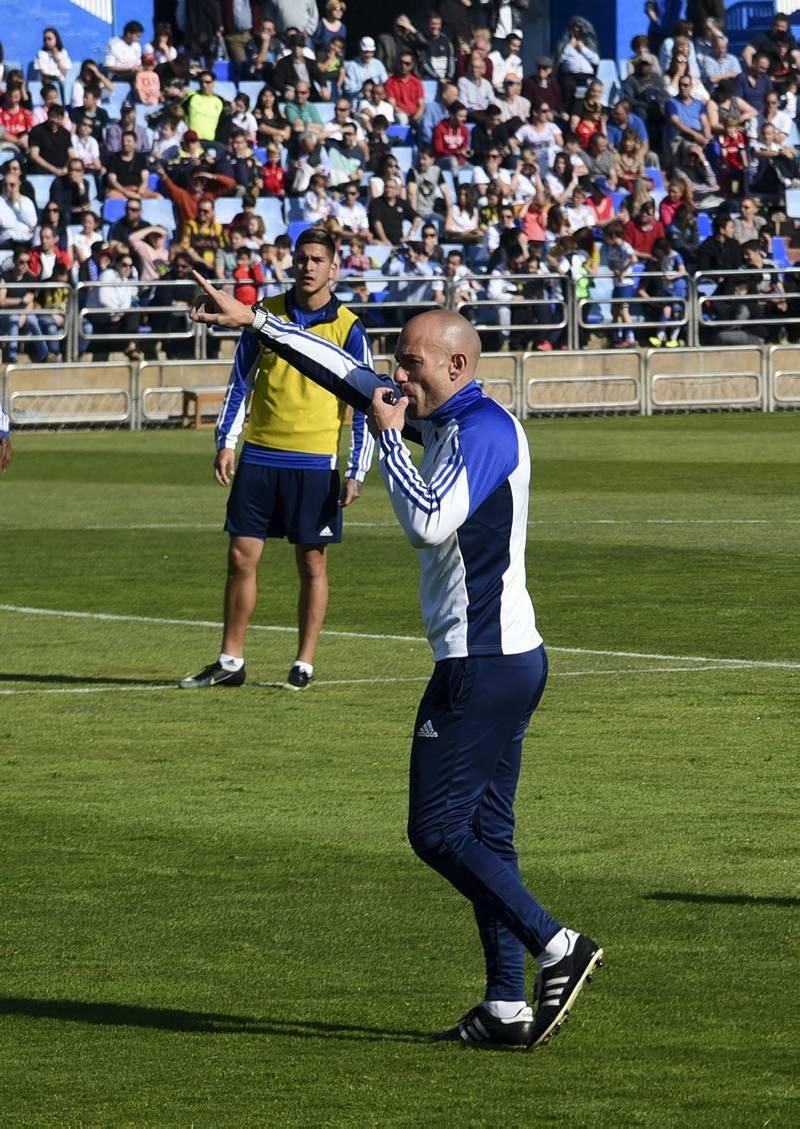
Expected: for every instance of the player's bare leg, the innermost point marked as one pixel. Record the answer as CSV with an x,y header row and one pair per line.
x,y
312,604
241,591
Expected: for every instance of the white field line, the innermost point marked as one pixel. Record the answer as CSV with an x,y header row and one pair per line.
x,y
144,689
209,525
655,656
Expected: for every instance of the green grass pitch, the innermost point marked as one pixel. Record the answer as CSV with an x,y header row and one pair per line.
x,y
210,916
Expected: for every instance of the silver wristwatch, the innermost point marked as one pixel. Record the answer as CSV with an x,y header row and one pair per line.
x,y
259,318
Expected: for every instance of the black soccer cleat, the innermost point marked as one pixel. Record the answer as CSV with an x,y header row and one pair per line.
x,y
297,678
558,986
480,1029
214,675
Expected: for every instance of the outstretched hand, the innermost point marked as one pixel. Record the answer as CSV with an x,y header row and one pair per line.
x,y
215,307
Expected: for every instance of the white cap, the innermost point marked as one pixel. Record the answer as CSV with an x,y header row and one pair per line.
x,y
367,43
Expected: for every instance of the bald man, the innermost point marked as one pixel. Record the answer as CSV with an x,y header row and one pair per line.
x,y
466,511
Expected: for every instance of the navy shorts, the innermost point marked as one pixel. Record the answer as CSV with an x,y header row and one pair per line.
x,y
301,505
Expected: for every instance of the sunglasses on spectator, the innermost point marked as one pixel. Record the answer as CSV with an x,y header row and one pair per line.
x,y
125,263
351,192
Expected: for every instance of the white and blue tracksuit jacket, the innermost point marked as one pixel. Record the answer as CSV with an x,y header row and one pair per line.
x,y
465,508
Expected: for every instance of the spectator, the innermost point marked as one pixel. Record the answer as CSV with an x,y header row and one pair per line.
x,y
273,174
688,120
645,91
684,236
52,213
451,138
248,276
403,37
243,166
72,192
404,91
15,121
489,134
459,18
356,261
202,236
347,157
679,193
428,193
780,120
705,186
47,255
600,160
272,125
733,159
237,23
388,213
438,57
127,124
90,77
127,173
53,302
53,61
148,84
295,69
749,225
87,151
300,14
726,104
127,225
263,49
163,46
474,90
204,108
622,118
82,241
201,184
114,300
766,42
719,65
681,42
351,213
342,117
303,111
514,108
679,68
629,162
173,326
491,172
17,214
541,135
96,114
225,258
721,250
621,259
461,285
576,59
640,47
148,245
17,296
666,280
542,87
242,118
310,156
462,224
373,104
317,204
579,211
642,231
51,144
601,204
364,67
437,111
754,83
330,26
506,59
124,53
776,166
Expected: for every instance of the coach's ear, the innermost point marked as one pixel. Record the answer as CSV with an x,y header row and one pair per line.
x,y
458,366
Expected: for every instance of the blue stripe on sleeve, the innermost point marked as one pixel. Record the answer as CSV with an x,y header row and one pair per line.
x,y
245,358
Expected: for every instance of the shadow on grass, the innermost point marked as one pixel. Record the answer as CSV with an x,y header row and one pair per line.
x,y
199,1022
80,680
721,899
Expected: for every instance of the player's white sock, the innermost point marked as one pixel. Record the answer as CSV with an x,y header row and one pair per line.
x,y
307,667
231,662
509,1009
560,946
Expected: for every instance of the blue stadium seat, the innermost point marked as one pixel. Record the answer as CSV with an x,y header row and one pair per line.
x,y
656,178
399,133
226,207
114,209
326,111
616,200
703,225
226,90
270,208
252,90
40,183
142,111
293,210
405,157
160,212
609,76
780,252
222,71
378,252
297,228
431,88
35,91
260,154
793,203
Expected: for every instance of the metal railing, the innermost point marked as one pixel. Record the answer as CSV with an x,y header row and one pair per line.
x,y
22,322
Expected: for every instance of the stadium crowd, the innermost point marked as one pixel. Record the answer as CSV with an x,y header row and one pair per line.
x,y
434,161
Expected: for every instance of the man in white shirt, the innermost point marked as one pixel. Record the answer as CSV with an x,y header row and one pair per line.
x,y
124,53
351,213
17,214
474,89
514,109
507,60
578,212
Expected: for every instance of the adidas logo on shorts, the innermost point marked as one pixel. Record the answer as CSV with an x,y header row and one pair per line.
x,y
326,532
426,730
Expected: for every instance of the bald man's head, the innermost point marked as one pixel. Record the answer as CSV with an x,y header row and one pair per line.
x,y
437,354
